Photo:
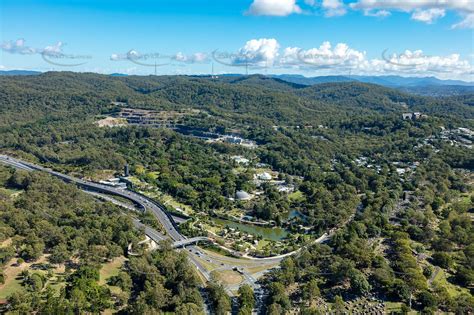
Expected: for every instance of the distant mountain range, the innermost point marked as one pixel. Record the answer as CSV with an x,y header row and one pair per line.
x,y
19,72
387,80
429,86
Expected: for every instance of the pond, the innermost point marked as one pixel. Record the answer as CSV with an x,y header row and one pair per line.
x,y
296,214
269,233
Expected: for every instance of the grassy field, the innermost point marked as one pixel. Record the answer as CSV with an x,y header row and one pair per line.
x,y
11,285
453,290
296,196
111,269
6,242
12,276
394,307
228,277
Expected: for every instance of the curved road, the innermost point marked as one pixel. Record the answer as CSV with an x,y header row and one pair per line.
x,y
168,224
142,201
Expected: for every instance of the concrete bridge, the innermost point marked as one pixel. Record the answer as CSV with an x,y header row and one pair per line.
x,y
191,241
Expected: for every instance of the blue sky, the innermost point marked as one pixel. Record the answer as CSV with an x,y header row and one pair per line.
x,y
311,37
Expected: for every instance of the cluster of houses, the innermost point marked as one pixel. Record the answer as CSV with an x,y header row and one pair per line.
x,y
463,137
259,179
413,116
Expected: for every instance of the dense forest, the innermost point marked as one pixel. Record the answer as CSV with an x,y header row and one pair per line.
x,y
398,190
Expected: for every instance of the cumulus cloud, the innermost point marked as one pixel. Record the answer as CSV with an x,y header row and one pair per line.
x,y
259,52
426,11
18,47
417,62
429,15
341,58
324,56
274,7
198,57
333,8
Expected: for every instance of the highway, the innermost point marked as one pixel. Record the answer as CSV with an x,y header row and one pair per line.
x,y
143,202
195,254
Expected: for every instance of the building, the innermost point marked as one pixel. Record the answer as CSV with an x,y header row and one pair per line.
x,y
407,116
126,171
240,160
242,195
114,182
286,188
413,116
233,140
264,176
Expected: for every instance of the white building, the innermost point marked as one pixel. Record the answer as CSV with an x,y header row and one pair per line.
x,y
264,176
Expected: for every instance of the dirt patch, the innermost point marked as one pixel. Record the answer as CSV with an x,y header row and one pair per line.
x,y
111,122
229,277
6,243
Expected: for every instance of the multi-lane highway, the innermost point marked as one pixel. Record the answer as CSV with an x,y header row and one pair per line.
x,y
138,199
196,256
194,253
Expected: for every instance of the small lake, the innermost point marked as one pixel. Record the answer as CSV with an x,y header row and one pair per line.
x,y
269,233
295,214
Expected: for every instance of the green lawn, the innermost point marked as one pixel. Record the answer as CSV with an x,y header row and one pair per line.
x,y
296,196
111,269
261,244
453,290
10,287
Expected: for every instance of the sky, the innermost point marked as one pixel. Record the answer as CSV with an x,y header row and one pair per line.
x,y
308,37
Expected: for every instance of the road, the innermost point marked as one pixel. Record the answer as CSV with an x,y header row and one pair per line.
x,y
158,210
142,201
170,226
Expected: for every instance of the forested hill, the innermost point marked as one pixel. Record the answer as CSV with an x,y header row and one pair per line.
x,y
252,98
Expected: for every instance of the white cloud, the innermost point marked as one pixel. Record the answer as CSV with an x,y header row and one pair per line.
x,y
426,11
467,22
410,5
198,57
274,7
53,50
324,56
417,62
342,59
131,54
18,47
429,15
259,52
333,8
377,13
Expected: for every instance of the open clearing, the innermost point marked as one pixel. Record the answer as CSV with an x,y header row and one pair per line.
x,y
111,269
229,277
12,273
